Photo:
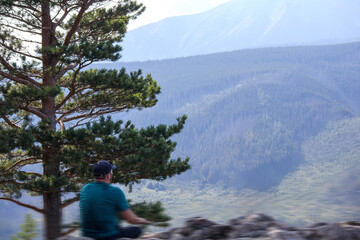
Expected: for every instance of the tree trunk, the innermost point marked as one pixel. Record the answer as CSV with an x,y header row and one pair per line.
x,y
51,198
52,215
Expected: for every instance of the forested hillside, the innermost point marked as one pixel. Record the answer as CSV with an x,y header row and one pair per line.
x,y
250,111
325,188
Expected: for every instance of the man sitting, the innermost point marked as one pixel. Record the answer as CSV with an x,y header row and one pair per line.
x,y
100,204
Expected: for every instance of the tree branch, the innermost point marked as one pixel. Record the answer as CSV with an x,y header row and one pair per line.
x,y
35,111
66,113
63,71
12,16
95,114
20,78
39,210
10,123
70,201
62,126
71,93
32,173
22,161
10,181
20,185
21,30
25,7
30,41
75,26
66,12
68,232
19,52
93,35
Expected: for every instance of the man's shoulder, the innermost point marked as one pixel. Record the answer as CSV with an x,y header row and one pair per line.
x,y
101,186
115,189
89,185
115,192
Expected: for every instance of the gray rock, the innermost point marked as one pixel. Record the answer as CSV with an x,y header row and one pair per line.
x,y
236,221
259,218
193,224
248,230
199,235
256,226
341,231
352,223
178,237
278,234
337,231
219,231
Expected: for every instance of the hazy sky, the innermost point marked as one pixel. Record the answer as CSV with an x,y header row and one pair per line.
x,y
160,9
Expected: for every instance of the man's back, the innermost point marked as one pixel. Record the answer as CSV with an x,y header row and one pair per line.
x,y
99,205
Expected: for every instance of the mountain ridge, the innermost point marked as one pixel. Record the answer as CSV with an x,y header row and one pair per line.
x,y
241,24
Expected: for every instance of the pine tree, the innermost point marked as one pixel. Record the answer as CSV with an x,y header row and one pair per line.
x,y
28,229
52,103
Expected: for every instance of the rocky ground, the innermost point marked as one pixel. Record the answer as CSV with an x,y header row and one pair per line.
x,y
257,226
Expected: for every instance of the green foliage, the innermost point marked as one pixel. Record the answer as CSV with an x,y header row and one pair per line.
x,y
111,89
153,212
29,230
146,150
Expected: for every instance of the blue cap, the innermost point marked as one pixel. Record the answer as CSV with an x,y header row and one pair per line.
x,y
103,167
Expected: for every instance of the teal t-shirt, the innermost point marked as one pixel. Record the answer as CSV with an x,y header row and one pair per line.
x,y
99,206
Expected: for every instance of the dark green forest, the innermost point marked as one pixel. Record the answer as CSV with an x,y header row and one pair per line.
x,y
250,111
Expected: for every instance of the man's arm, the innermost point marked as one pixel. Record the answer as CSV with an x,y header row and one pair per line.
x,y
130,217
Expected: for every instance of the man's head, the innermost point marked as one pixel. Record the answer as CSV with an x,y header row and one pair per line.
x,y
103,170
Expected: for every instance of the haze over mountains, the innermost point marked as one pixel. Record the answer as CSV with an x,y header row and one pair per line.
x,y
242,24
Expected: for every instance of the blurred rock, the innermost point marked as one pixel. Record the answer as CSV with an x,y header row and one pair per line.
x,y
256,226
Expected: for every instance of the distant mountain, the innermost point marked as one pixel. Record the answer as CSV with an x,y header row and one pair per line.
x,y
243,24
250,111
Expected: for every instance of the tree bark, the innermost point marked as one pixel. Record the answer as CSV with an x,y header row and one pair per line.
x,y
52,215
51,198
